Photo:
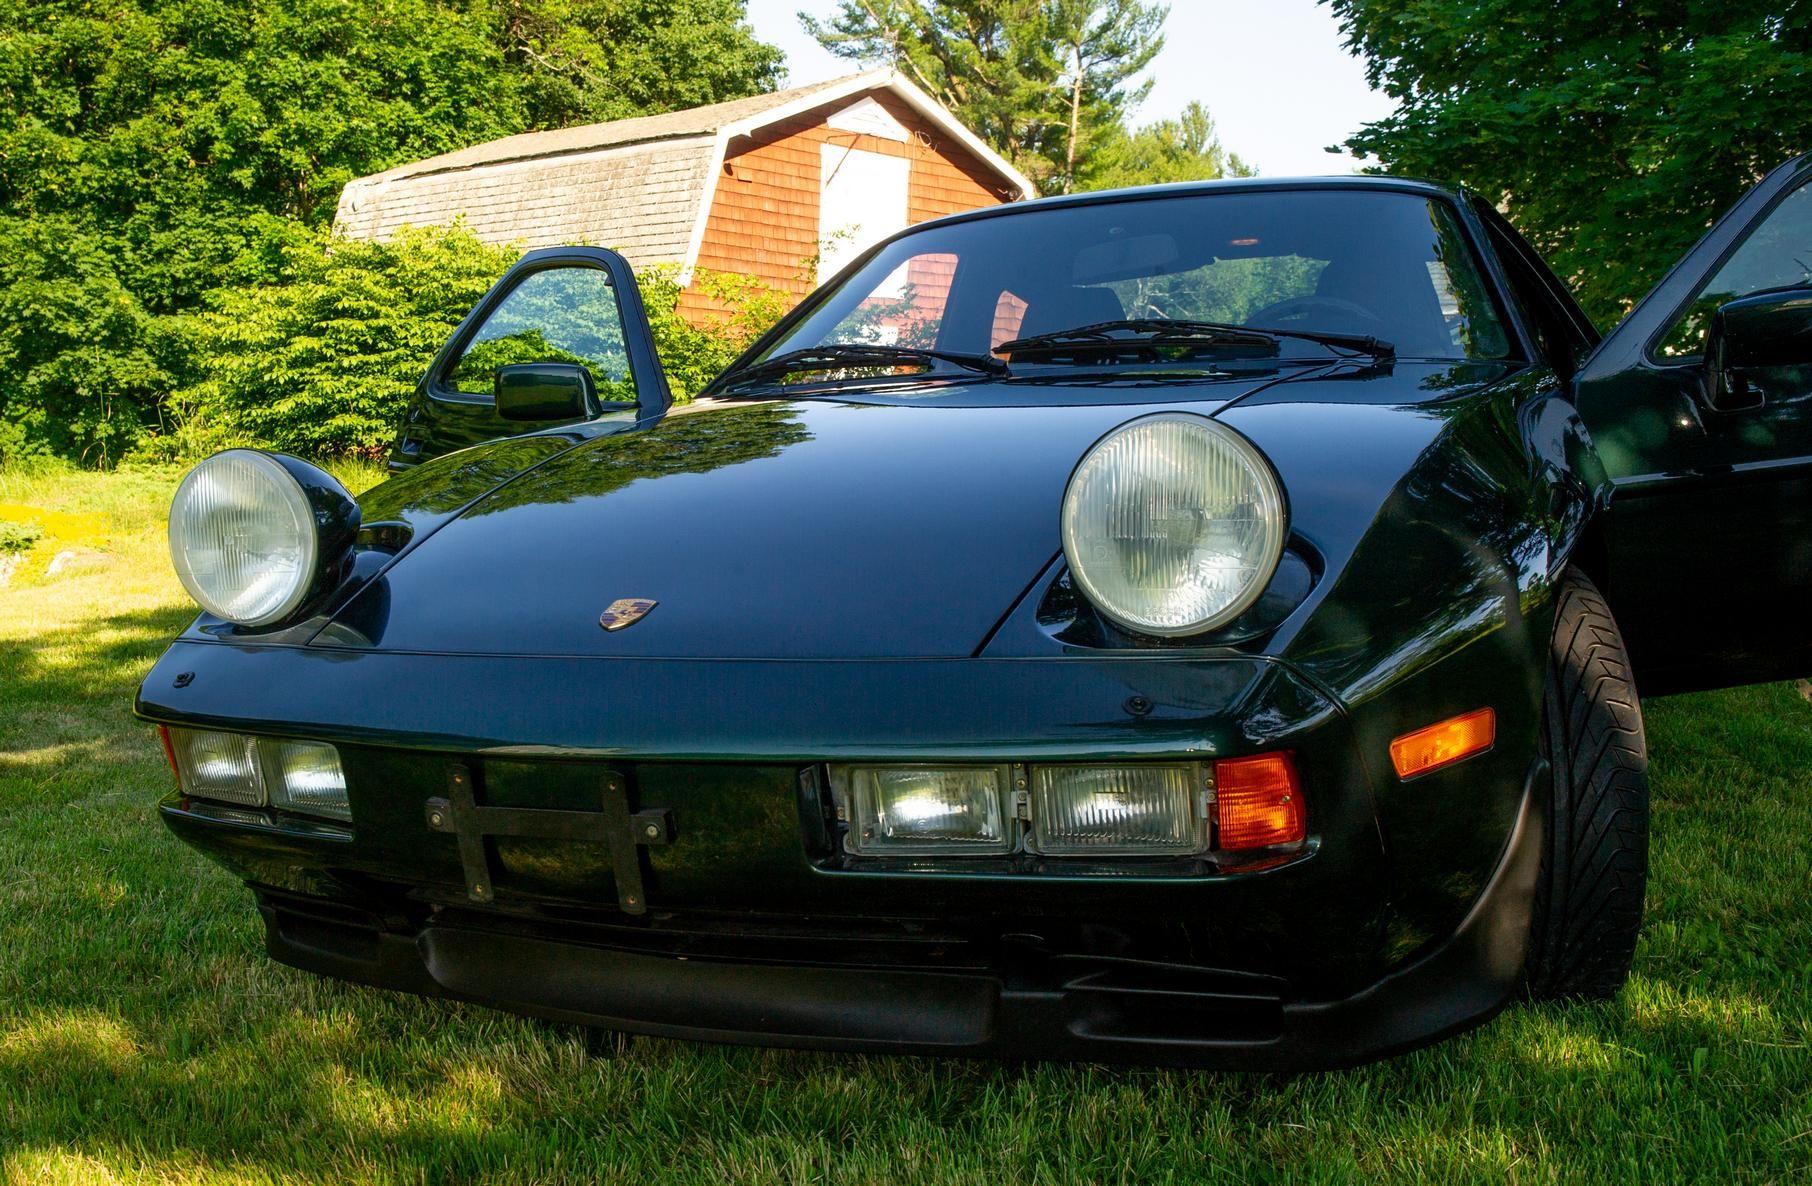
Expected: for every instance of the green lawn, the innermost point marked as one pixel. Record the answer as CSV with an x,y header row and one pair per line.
x,y
145,1038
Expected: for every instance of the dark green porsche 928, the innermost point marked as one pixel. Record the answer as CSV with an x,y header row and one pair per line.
x,y
1196,625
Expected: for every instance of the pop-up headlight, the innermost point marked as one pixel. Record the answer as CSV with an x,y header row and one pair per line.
x,y
1173,524
254,536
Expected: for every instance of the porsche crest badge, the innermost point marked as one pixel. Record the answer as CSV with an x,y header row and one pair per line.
x,y
625,611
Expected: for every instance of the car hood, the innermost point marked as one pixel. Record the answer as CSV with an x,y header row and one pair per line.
x,y
801,529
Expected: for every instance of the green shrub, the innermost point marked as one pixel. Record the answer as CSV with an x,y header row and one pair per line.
x,y
323,362
692,355
18,537
80,366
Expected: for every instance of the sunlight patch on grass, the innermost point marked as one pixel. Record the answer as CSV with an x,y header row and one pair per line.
x,y
1549,1039
1478,1152
360,1104
55,1167
57,754
469,1100
69,1035
72,529
1657,1005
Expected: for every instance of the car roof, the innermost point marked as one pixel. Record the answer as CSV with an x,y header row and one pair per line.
x,y
1177,189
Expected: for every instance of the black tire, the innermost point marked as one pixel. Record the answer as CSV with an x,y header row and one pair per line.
x,y
1594,869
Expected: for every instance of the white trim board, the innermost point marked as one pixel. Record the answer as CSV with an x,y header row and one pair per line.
x,y
885,79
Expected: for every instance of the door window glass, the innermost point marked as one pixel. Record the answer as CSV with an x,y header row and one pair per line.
x,y
1777,254
559,315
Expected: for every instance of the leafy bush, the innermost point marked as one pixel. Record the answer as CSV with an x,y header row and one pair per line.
x,y
741,310
1610,134
18,537
79,357
323,362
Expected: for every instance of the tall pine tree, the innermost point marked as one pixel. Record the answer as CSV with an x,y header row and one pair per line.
x,y
1047,82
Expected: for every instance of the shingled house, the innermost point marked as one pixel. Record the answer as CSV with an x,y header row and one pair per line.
x,y
786,187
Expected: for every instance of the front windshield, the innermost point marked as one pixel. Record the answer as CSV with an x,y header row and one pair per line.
x,y
1383,264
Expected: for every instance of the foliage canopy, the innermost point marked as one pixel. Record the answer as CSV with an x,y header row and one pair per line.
x,y
154,152
1611,132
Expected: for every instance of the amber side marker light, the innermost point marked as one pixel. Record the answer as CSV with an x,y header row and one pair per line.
x,y
1257,803
1444,743
163,735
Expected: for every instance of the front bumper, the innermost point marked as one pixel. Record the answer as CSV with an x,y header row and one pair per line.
x,y
755,931
1026,1004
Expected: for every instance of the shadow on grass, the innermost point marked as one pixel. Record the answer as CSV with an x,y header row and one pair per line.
x,y
68,692
101,656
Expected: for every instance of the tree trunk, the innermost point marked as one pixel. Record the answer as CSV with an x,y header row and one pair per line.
x,y
1075,122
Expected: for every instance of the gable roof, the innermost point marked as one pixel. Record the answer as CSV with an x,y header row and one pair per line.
x,y
663,169
673,125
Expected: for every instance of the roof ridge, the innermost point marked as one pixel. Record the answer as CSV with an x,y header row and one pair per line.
x,y
683,123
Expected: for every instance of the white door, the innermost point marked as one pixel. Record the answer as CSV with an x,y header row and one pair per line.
x,y
863,201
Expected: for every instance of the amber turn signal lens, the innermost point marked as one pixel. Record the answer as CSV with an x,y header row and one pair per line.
x,y
1257,803
163,734
1444,743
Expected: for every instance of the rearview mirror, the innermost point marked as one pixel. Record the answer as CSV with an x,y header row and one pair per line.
x,y
1751,337
1122,259
545,391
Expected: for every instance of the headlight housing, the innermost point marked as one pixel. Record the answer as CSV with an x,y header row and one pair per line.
x,y
253,534
1173,524
298,776
913,810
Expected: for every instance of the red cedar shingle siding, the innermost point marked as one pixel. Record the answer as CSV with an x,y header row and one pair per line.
x,y
764,219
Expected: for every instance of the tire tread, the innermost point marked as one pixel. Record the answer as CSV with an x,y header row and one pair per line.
x,y
1594,871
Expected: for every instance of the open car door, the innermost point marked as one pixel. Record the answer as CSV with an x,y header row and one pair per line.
x,y
561,339
1700,404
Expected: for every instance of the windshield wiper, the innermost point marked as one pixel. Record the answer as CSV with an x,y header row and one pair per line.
x,y
1152,333
838,357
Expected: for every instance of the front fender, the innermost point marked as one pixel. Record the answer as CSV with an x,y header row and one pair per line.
x,y
1440,523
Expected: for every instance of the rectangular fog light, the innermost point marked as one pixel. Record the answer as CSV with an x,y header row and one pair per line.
x,y
926,810
306,776
221,766
1117,810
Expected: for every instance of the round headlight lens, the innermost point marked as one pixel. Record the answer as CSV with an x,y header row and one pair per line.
x,y
1173,524
243,538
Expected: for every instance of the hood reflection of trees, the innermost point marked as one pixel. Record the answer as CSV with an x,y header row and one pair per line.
x,y
684,443
688,443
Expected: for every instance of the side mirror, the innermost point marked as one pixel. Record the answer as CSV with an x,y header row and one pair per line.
x,y
545,391
1751,336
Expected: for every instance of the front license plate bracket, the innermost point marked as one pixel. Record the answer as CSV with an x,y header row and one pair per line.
x,y
625,832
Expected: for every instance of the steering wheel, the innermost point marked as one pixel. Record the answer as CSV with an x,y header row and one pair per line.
x,y
1302,308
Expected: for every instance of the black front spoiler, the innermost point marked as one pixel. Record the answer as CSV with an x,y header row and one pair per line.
x,y
1034,1005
